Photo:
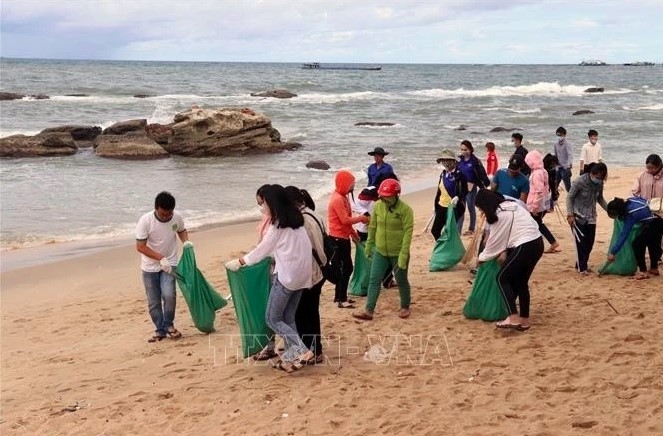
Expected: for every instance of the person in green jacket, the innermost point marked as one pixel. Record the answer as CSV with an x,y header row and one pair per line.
x,y
389,237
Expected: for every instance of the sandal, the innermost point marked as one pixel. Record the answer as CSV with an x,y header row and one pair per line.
x,y
306,357
156,338
320,358
640,276
506,324
404,313
345,306
265,354
173,333
288,367
363,316
654,272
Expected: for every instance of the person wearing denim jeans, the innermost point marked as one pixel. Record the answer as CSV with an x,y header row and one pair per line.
x,y
280,317
564,152
156,240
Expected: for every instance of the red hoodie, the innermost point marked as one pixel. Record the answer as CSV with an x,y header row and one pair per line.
x,y
339,212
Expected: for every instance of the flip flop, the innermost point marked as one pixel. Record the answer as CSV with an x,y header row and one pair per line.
x,y
507,325
522,328
173,333
287,367
265,354
156,338
404,313
363,316
345,306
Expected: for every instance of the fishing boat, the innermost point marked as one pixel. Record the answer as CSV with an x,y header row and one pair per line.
x,y
317,66
639,64
592,63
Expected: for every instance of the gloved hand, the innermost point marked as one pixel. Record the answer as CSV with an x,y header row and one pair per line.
x,y
187,244
165,265
454,201
402,262
233,265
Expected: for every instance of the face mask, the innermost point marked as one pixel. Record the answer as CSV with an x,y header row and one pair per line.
x,y
389,201
264,209
593,141
559,139
595,181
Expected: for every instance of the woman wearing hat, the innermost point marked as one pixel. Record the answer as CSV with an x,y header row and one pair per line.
x,y
452,184
389,237
379,167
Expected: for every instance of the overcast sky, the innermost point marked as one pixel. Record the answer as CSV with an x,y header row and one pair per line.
x,y
481,31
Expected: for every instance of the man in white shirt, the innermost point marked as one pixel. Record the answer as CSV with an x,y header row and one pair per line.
x,y
156,241
591,152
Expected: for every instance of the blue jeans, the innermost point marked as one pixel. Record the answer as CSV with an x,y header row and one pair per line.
x,y
280,317
469,201
160,290
564,174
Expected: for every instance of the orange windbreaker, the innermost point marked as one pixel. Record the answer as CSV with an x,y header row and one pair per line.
x,y
339,212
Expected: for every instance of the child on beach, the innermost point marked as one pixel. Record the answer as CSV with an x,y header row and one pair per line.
x,y
389,237
514,237
452,183
340,218
632,211
364,205
156,240
539,199
586,191
591,152
289,244
491,160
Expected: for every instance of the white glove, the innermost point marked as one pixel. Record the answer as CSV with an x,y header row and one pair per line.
x,y
165,265
187,244
454,201
233,265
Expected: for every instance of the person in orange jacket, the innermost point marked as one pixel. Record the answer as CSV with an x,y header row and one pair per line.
x,y
340,221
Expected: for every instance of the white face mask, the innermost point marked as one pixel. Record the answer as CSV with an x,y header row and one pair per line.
x,y
593,141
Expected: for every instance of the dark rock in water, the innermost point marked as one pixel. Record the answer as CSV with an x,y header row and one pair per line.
x,y
476,133
159,133
43,144
11,96
130,146
39,97
78,133
275,93
318,165
77,95
461,127
594,89
143,96
583,112
126,126
374,123
503,129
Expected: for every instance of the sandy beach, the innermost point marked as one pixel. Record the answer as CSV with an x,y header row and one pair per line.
x,y
75,358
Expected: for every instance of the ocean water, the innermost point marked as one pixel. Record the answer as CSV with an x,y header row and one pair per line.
x,y
94,200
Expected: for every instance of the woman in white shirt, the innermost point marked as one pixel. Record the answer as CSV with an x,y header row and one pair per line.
x,y
287,241
514,237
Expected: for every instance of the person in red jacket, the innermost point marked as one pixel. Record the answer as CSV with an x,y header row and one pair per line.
x,y
340,221
491,160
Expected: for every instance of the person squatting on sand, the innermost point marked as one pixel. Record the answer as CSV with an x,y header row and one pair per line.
x,y
340,218
475,173
514,238
156,240
539,199
452,183
307,318
632,211
389,238
287,241
585,192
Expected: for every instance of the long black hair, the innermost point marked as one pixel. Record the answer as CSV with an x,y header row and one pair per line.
x,y
284,212
488,201
300,196
617,208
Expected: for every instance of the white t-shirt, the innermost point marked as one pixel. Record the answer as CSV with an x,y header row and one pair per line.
x,y
515,226
591,153
161,237
293,255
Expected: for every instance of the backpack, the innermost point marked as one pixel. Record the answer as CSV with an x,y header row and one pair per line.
x,y
329,271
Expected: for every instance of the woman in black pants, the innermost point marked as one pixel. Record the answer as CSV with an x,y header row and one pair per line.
x,y
514,238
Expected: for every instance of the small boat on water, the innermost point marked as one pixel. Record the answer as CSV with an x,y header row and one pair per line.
x,y
317,66
639,64
592,63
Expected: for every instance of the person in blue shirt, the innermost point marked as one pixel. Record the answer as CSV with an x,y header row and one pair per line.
x,y
510,181
380,167
475,173
632,211
452,183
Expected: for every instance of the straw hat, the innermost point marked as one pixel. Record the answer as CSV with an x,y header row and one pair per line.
x,y
447,155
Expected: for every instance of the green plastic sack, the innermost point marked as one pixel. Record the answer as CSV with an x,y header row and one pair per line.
x,y
485,300
200,296
624,263
249,287
362,270
449,249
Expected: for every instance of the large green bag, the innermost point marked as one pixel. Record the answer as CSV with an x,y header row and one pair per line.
x,y
624,263
485,300
361,273
449,249
200,296
249,287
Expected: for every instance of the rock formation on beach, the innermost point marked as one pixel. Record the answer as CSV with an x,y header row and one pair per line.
x,y
503,129
374,124
317,165
594,89
583,112
42,144
197,133
274,93
16,96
